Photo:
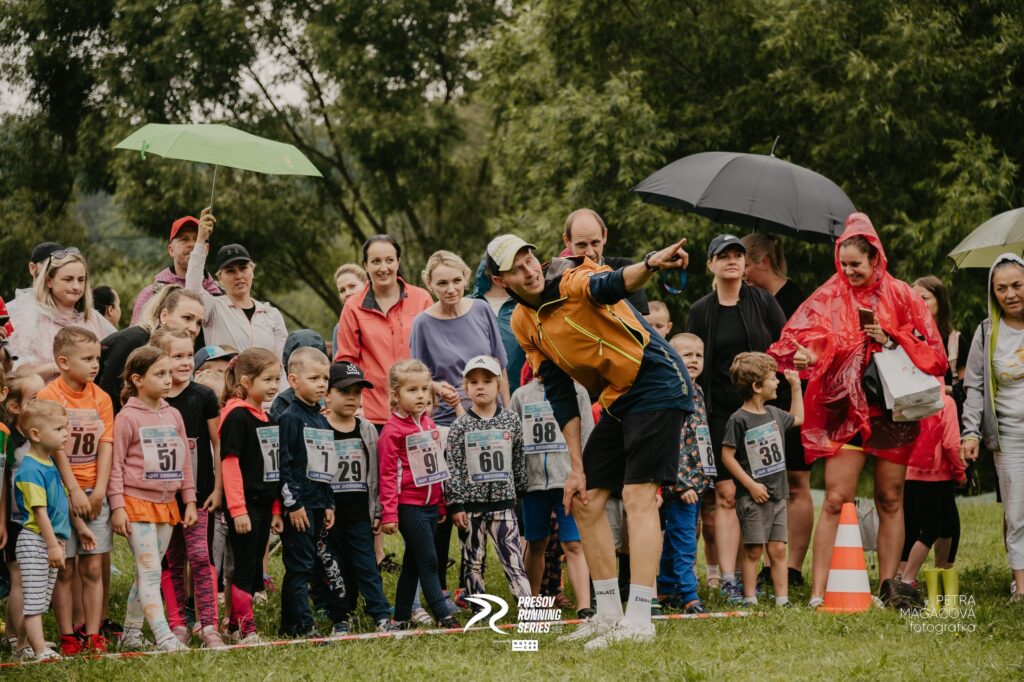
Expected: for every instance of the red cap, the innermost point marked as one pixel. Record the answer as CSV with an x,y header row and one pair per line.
x,y
182,223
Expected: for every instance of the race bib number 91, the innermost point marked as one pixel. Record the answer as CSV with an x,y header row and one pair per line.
x,y
764,450
351,476
426,460
541,430
489,455
84,430
163,453
270,448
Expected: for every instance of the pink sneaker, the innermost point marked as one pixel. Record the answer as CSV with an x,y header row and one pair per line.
x,y
212,639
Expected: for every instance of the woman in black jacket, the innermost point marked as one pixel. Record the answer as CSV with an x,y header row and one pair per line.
x,y
732,319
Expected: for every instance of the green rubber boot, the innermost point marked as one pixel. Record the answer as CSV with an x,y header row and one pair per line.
x,y
950,591
931,580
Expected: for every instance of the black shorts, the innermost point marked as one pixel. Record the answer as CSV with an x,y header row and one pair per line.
x,y
641,448
795,451
716,425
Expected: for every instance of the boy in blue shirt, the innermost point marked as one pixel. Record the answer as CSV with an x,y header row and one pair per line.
x,y
42,510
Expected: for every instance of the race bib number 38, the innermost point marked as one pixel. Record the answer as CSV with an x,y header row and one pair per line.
x,y
426,460
489,455
764,450
270,448
351,476
163,453
84,430
320,457
540,429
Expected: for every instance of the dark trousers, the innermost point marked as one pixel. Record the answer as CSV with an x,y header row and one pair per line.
x,y
419,564
300,555
248,548
442,545
353,543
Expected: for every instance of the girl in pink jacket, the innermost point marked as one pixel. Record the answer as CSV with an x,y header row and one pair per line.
x,y
412,470
151,465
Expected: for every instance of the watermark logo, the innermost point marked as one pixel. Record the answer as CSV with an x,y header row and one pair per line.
x,y
484,601
948,616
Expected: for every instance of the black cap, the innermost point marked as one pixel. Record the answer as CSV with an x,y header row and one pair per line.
x,y
345,374
723,242
43,251
231,253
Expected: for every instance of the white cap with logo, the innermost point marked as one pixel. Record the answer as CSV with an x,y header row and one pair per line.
x,y
485,362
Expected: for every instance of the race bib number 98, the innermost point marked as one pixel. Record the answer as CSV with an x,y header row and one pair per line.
x,y
426,460
84,430
540,429
351,476
705,451
270,448
320,457
489,455
163,453
765,450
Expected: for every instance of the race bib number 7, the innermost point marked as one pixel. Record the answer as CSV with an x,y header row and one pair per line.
x,y
270,449
163,453
426,460
320,457
84,430
540,430
764,450
489,455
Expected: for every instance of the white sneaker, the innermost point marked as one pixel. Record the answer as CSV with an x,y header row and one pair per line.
x,y
624,631
24,654
421,616
48,654
132,640
252,639
172,644
592,627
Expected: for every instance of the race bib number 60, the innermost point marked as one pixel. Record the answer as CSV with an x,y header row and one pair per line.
x,y
764,450
426,460
163,453
489,455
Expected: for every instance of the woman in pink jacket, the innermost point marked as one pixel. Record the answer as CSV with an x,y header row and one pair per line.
x,y
151,464
376,323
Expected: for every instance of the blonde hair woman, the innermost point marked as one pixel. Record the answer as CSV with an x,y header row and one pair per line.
x,y
62,297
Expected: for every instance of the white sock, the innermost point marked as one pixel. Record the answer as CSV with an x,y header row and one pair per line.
x,y
728,576
781,601
606,594
750,600
638,609
712,571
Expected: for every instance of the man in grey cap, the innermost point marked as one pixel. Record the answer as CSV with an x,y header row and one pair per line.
x,y
573,323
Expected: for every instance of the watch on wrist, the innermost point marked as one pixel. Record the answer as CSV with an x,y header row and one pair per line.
x,y
647,262
891,344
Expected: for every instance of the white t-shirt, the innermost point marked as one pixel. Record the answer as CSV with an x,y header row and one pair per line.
x,y
1008,366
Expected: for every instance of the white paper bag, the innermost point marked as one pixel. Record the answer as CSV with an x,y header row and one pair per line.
x,y
909,392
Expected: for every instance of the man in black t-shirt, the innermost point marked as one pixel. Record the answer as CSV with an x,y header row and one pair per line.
x,y
585,234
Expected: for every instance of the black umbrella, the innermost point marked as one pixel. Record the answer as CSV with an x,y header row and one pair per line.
x,y
752,190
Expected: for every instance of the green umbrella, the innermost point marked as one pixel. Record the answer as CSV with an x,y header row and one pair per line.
x,y
219,145
994,237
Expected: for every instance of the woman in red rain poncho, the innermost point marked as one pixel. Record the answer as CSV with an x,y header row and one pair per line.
x,y
825,337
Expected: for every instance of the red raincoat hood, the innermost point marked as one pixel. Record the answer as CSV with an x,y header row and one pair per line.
x,y
827,323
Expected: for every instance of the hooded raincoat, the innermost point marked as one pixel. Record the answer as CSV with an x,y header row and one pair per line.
x,y
827,323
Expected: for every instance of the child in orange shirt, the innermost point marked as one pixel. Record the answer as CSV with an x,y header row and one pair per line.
x,y
85,460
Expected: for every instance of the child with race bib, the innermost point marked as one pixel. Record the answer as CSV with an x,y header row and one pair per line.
x,y
412,472
754,452
677,579
151,467
488,473
547,467
200,410
86,459
250,459
356,496
308,466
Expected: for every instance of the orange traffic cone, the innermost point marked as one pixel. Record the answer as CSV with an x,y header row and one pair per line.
x,y
848,589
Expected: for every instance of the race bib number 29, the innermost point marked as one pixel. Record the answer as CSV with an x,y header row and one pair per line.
x,y
426,460
163,453
351,476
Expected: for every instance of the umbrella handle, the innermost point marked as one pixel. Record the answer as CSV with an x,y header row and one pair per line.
x,y
214,188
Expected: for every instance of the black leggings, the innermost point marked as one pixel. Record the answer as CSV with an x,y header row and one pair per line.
x,y
419,564
929,513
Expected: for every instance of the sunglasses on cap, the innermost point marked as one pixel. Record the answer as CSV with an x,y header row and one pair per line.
x,y
61,254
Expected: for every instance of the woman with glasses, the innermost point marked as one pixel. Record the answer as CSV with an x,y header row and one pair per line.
x,y
61,297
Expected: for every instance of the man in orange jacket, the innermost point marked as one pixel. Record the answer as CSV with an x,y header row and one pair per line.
x,y
574,323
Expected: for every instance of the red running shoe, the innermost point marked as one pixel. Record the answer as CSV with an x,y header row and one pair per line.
x,y
97,644
70,645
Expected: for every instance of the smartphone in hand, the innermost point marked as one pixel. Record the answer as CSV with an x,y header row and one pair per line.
x,y
866,315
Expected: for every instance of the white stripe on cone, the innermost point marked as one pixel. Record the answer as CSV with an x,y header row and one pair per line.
x,y
848,535
841,580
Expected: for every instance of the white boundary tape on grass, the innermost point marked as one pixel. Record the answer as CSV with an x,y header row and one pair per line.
x,y
322,641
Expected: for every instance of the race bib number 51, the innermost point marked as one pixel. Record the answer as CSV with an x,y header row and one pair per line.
x,y
163,453
764,450
426,460
489,455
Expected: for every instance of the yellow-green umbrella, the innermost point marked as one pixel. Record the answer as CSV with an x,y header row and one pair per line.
x,y
994,237
219,145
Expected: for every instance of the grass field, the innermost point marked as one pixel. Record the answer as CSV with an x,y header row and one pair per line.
x,y
780,644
